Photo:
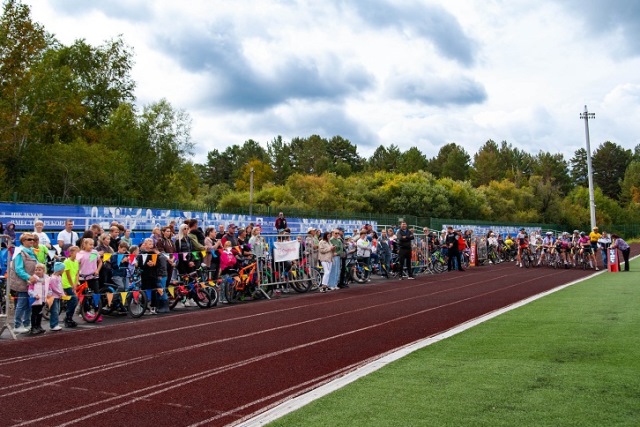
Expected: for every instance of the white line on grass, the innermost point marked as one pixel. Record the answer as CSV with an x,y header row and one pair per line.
x,y
304,399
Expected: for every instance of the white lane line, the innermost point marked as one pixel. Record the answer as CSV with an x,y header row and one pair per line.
x,y
298,402
188,379
68,376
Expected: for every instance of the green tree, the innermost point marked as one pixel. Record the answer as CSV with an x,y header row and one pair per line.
x,y
309,155
22,44
280,158
553,169
385,159
452,161
631,184
343,156
412,160
610,162
262,174
579,168
487,164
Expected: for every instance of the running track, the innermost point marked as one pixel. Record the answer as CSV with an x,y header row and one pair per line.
x,y
223,365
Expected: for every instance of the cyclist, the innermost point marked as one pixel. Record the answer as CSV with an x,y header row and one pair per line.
x,y
565,249
548,246
522,239
585,250
492,244
575,246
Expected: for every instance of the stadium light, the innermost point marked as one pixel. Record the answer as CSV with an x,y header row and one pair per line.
x,y
592,202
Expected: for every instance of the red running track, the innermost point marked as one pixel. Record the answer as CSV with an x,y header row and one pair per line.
x,y
219,366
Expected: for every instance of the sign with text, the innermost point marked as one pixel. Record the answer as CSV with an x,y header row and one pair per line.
x,y
286,251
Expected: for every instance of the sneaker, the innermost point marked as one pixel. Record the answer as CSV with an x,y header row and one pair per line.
x,y
153,311
56,328
597,269
99,319
35,331
21,330
411,278
70,323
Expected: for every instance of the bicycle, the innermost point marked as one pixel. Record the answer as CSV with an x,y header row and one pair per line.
x,y
190,287
135,302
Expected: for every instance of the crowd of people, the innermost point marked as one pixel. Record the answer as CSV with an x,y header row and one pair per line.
x,y
42,272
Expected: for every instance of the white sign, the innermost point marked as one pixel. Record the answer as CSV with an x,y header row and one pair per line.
x,y
286,251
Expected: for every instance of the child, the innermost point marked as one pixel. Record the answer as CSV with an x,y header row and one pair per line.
x,y
55,291
90,264
70,280
37,292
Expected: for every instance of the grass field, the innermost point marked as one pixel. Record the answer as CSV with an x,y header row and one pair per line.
x,y
569,359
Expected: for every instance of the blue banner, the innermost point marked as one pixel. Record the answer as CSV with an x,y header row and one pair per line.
x,y
140,219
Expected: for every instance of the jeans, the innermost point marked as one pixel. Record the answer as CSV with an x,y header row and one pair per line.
x,y
71,304
162,283
335,272
54,313
23,311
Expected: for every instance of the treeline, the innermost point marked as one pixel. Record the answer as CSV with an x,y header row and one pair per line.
x,y
69,127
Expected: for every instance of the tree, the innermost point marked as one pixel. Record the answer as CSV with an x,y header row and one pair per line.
x,y
22,44
309,155
262,174
412,160
452,162
343,156
280,158
516,163
609,164
579,169
553,169
487,165
631,184
385,159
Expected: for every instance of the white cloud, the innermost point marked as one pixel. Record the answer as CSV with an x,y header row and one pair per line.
x,y
407,72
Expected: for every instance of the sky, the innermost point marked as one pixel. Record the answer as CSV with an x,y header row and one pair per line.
x,y
417,73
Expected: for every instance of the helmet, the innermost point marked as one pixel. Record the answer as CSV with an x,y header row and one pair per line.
x,y
549,233
576,231
582,233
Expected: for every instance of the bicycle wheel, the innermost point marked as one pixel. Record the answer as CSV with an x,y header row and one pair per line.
x,y
136,304
360,274
201,297
89,310
525,260
106,307
231,294
303,282
213,293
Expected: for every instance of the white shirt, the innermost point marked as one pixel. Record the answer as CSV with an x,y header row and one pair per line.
x,y
68,238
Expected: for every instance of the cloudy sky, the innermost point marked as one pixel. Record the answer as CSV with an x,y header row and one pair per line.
x,y
407,72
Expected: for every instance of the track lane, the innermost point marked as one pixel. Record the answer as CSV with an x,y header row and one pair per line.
x,y
306,362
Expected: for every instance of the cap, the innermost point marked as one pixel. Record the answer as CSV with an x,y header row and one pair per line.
x,y
310,229
58,266
232,225
522,229
549,233
595,228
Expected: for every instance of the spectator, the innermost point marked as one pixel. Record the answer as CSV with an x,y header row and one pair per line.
x,y
11,232
211,246
90,264
311,244
166,246
338,249
127,237
149,271
21,275
67,237
404,239
37,293
325,255
258,244
184,247
230,236
623,247
220,232
281,223
42,236
364,248
156,235
70,280
56,291
604,242
114,237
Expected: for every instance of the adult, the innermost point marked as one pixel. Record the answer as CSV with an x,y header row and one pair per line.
x,y
258,244
363,246
230,236
166,246
67,237
184,248
325,255
281,223
21,275
156,235
622,246
604,242
451,242
220,232
126,237
336,242
311,243
196,231
211,260
404,240
104,247
149,271
594,236
38,226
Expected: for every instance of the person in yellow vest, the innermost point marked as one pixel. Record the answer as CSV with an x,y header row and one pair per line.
x,y
594,236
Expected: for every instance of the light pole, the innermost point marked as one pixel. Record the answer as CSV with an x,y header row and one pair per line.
x,y
251,193
592,202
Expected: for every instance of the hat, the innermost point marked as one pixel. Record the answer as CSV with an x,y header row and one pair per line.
x,y
58,266
310,229
549,233
232,225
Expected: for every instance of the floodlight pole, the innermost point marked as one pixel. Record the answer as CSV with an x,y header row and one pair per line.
x,y
592,201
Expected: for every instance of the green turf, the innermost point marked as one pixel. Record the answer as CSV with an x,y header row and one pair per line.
x,y
570,359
